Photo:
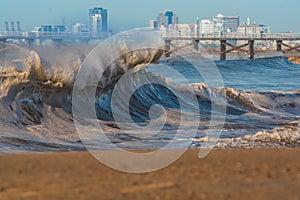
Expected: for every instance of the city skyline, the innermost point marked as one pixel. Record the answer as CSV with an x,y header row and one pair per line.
x,y
133,13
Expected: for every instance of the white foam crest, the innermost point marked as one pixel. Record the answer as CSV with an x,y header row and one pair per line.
x,y
115,57
61,63
63,74
271,102
18,65
283,136
216,95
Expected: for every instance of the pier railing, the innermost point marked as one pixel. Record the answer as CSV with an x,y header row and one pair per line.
x,y
284,42
223,40
233,36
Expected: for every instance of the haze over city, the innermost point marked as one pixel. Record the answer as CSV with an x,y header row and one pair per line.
x,y
123,15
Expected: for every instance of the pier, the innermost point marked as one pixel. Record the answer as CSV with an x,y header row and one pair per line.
x,y
226,43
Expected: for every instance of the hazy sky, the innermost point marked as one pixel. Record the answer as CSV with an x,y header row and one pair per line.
x,y
281,15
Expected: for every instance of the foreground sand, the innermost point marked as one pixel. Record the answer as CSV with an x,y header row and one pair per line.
x,y
224,174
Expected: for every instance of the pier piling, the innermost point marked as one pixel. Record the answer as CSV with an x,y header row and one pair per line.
x,y
251,49
167,48
222,49
278,45
196,44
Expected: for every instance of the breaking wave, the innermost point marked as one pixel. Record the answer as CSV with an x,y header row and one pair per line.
x,y
36,103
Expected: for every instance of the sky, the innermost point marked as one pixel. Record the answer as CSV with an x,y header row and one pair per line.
x,y
281,15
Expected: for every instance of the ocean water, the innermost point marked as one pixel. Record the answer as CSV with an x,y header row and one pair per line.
x,y
262,99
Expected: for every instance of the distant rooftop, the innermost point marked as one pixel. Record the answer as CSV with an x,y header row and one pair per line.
x,y
253,25
165,11
232,17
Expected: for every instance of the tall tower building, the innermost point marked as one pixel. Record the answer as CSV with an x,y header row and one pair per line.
x,y
248,21
219,24
98,20
166,18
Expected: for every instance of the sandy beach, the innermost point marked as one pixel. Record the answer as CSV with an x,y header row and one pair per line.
x,y
224,174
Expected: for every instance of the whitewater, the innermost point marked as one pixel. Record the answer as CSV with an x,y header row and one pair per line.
x,y
262,100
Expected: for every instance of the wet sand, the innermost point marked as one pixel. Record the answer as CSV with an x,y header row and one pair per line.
x,y
224,174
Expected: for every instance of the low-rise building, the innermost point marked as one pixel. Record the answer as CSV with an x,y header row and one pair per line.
x,y
183,30
80,28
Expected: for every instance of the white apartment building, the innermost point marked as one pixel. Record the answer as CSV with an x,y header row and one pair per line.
x,y
206,27
183,30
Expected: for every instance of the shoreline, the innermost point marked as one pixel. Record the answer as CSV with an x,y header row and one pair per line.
x,y
223,174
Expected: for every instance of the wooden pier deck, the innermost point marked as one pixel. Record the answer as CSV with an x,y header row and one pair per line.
x,y
226,46
225,41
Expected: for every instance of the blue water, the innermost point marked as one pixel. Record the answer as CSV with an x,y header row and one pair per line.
x,y
259,74
260,95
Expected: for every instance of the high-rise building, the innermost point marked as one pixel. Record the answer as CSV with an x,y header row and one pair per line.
x,y
98,20
248,21
166,18
232,23
219,24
